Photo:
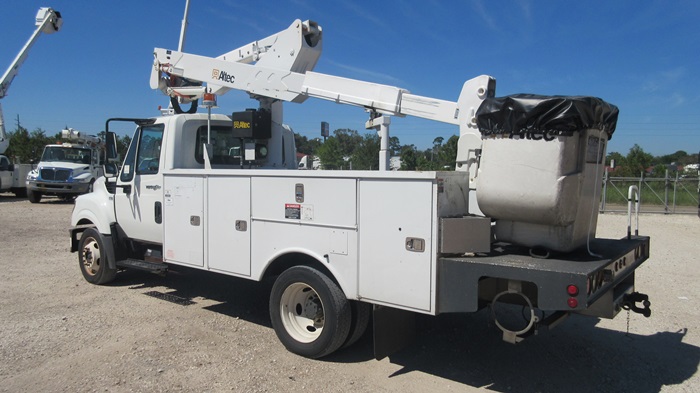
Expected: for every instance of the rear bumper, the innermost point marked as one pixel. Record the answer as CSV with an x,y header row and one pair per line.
x,y
467,283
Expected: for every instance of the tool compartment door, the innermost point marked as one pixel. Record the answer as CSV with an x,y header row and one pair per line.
x,y
183,219
229,224
392,214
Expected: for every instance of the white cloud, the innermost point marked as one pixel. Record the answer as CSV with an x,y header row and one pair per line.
x,y
381,77
480,10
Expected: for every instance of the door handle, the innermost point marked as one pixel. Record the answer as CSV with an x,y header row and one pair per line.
x,y
158,209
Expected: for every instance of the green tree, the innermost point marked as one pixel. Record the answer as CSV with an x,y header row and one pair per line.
x,y
366,154
394,146
448,154
330,154
27,147
423,162
617,158
305,145
637,161
437,143
409,158
348,140
676,157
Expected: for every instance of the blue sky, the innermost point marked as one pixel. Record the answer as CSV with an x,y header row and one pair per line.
x,y
643,56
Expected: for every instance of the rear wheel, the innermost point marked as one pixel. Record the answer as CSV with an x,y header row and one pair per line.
x,y
360,312
309,312
94,263
34,196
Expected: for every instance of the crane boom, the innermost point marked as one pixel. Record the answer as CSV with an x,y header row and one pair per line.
x,y
48,21
280,67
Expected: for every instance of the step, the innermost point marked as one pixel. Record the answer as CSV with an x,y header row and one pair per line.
x,y
159,268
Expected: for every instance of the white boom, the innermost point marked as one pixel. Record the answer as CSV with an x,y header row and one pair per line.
x,y
47,21
279,67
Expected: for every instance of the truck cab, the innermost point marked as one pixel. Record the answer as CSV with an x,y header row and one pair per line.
x,y
67,169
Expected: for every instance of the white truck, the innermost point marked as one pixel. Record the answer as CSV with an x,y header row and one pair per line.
x,y
514,224
13,176
67,169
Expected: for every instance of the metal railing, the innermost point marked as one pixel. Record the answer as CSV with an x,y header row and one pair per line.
x,y
665,195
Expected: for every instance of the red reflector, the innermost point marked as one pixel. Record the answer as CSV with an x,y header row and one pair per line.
x,y
573,303
572,290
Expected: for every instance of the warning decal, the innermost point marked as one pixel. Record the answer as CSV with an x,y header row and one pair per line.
x,y
292,211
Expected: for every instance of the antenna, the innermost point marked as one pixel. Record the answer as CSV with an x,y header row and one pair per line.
x,y
183,30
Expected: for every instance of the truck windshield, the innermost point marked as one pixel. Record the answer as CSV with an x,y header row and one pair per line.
x,y
66,154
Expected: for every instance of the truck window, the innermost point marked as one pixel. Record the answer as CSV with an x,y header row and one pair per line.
x,y
149,149
226,148
143,155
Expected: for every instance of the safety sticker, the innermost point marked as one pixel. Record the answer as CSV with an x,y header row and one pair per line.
x,y
292,211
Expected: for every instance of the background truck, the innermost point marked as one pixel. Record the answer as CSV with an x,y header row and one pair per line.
x,y
514,225
13,175
67,169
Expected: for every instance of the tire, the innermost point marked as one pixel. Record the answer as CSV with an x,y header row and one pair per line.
x,y
360,312
94,263
34,196
20,192
310,314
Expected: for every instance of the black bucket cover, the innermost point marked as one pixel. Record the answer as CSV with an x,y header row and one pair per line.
x,y
536,116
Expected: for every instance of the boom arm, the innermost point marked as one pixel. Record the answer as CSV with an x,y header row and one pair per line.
x,y
47,21
283,72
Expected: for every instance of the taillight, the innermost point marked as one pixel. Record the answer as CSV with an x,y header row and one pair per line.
x,y
572,290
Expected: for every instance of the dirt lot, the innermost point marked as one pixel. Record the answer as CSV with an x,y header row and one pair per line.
x,y
59,333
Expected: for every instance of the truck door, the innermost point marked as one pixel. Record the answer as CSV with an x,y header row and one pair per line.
x,y
139,197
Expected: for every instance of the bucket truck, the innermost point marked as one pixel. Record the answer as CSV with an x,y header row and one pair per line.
x,y
12,176
68,168
513,225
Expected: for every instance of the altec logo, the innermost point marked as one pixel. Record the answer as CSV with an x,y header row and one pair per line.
x,y
222,76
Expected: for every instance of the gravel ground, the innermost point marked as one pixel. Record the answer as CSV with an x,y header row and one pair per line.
x,y
59,333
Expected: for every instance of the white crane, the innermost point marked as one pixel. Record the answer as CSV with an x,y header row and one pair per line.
x,y
48,21
279,68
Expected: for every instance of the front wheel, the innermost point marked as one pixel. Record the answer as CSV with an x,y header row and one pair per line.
x,y
34,196
310,314
94,263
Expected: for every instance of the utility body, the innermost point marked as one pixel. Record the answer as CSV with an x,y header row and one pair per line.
x,y
220,193
13,175
67,169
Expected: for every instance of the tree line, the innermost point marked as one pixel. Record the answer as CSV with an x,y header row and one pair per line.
x,y
348,149
27,147
638,162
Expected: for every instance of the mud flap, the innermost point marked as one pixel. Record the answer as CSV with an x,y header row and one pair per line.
x,y
393,330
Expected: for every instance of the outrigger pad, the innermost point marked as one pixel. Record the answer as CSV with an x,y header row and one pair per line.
x,y
548,116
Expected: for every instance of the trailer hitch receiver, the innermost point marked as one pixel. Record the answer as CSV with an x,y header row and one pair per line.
x,y
630,303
